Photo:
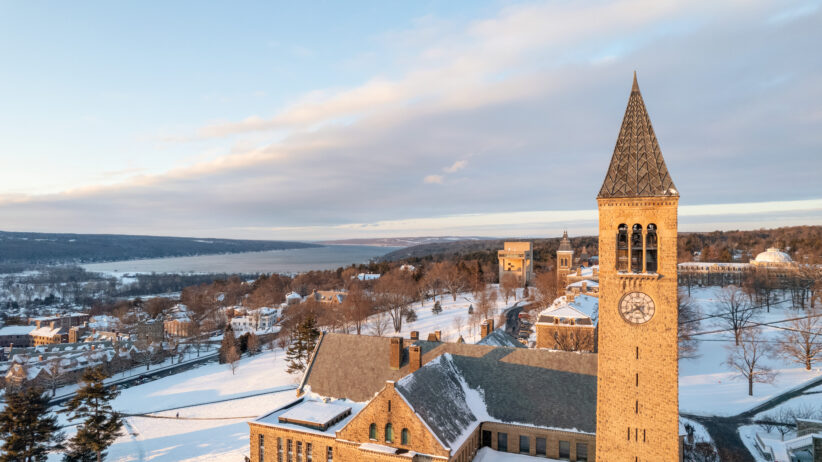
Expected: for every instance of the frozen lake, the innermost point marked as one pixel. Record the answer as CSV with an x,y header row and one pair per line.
x,y
272,261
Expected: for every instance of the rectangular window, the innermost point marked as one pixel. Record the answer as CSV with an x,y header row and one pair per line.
x,y
502,442
524,444
329,454
637,379
582,452
308,456
289,451
565,450
541,447
299,451
279,450
262,448
486,438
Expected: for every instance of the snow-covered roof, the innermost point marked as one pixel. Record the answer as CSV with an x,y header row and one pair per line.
x,y
316,408
293,296
45,331
583,306
455,394
317,413
588,283
773,255
368,276
500,338
16,330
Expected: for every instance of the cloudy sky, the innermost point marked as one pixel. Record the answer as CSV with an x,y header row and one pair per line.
x,y
314,120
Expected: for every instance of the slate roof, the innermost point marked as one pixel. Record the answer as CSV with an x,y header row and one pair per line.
x,y
454,393
637,168
565,244
356,367
500,338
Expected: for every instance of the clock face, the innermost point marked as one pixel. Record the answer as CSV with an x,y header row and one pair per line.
x,y
636,307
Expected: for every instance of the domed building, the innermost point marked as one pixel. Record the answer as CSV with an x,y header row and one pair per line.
x,y
772,261
772,257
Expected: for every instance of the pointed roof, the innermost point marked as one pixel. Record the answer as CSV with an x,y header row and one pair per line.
x,y
637,167
565,244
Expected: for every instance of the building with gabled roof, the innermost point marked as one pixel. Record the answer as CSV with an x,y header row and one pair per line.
x,y
418,400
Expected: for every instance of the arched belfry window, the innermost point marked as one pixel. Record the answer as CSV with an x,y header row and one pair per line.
x,y
636,248
651,249
622,248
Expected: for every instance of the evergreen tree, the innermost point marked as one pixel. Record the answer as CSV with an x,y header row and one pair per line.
x,y
99,424
27,429
410,315
471,309
304,339
437,309
229,342
253,343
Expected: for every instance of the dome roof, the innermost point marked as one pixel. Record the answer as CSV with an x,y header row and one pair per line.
x,y
773,255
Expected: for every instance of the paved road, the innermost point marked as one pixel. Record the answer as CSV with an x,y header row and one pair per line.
x,y
724,430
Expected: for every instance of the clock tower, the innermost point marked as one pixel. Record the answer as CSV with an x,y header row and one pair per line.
x,y
637,377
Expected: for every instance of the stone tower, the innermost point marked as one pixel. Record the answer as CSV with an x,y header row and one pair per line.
x,y
565,258
637,379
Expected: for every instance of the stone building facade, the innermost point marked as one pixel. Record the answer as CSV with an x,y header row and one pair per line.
x,y
517,258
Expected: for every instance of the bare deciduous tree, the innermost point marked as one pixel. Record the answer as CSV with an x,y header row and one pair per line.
x,y
379,323
688,315
394,292
574,339
508,286
452,279
545,284
803,342
747,357
357,306
735,310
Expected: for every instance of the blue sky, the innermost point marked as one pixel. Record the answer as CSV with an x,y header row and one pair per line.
x,y
358,119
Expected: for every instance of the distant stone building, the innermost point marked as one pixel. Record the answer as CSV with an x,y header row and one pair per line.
x,y
773,264
178,322
517,258
62,321
151,331
16,335
568,324
49,334
329,297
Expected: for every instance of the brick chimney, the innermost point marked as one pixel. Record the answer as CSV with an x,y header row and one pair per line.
x,y
569,297
486,328
438,334
584,287
396,352
414,357
415,335
596,271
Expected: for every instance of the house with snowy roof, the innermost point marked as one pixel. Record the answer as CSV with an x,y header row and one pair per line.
x,y
390,399
569,324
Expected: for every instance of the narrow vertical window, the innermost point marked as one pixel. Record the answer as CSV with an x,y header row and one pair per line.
x,y
299,451
262,448
636,248
389,405
289,450
636,409
329,454
643,435
309,456
389,433
279,450
404,437
637,379
629,433
622,248
651,249
372,431
637,352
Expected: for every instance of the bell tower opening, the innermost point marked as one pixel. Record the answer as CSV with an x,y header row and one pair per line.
x,y
622,248
650,249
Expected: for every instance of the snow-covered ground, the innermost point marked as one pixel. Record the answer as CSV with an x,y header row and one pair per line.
x,y
707,386
453,321
218,430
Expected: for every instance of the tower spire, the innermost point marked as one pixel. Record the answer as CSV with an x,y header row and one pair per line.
x,y
637,167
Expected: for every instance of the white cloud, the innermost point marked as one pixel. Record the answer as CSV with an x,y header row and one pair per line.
x,y
456,166
433,179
